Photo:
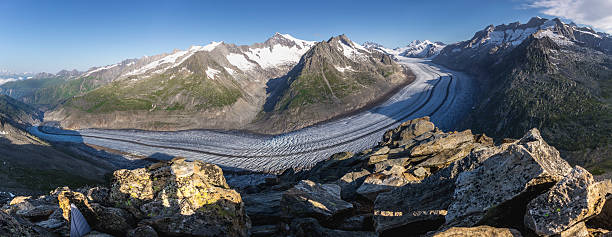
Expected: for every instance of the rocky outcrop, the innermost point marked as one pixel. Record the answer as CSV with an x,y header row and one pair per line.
x,y
174,198
479,188
572,200
523,169
419,181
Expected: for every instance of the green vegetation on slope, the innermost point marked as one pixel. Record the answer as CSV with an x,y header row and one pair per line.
x,y
160,92
49,91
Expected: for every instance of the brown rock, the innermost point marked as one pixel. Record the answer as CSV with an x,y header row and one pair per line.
x,y
577,230
478,231
384,181
442,142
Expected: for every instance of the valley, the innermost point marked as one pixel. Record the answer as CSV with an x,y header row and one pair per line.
x,y
442,94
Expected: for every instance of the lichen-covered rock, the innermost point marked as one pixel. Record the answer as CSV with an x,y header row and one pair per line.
x,y
65,198
310,199
572,200
519,170
478,231
181,198
420,207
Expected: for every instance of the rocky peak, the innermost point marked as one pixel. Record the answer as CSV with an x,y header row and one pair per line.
x,y
68,74
372,45
287,40
421,49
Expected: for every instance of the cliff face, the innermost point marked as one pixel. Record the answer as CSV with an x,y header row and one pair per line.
x,y
417,181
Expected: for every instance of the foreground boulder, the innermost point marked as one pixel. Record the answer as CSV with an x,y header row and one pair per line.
x,y
571,201
485,183
175,198
523,170
422,206
181,198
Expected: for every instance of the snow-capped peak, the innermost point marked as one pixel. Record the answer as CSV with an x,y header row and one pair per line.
x,y
281,49
174,59
420,49
349,48
208,47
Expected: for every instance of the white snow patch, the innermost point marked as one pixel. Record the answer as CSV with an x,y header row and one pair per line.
x,y
349,51
173,59
342,69
230,71
559,39
211,73
100,69
302,43
240,61
276,55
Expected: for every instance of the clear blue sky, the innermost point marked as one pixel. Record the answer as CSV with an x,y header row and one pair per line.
x,y
52,35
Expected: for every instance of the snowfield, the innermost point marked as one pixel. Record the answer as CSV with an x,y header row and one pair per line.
x,y
443,94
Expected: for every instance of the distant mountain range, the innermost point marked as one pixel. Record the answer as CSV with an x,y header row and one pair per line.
x,y
416,49
219,85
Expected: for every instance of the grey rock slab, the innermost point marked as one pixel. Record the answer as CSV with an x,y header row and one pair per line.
x,y
572,200
529,163
422,206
